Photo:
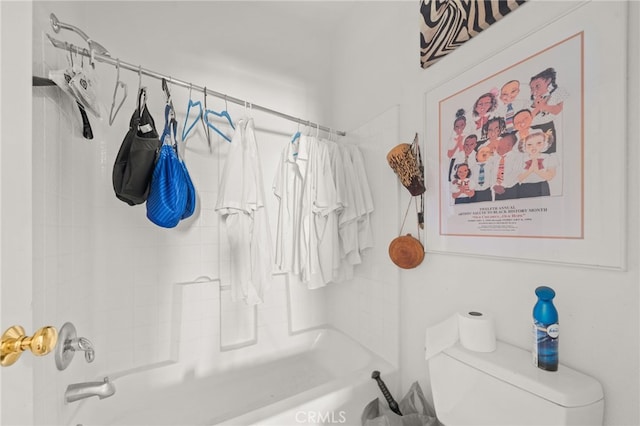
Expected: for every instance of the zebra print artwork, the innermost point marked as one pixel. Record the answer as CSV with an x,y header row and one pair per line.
x,y
447,24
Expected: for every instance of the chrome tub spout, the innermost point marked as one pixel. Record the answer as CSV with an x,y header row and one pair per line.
x,y
78,391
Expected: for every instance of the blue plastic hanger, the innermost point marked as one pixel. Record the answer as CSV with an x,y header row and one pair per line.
x,y
296,136
186,130
224,114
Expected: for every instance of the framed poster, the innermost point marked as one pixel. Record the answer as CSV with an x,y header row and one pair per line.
x,y
511,149
516,146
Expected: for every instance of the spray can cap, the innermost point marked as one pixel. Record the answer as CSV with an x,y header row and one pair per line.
x,y
545,293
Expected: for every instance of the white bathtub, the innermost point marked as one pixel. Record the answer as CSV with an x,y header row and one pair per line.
x,y
324,377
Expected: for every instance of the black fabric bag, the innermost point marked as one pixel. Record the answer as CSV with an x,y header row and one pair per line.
x,y
137,156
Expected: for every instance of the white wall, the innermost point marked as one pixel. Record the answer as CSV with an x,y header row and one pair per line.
x,y
377,65
15,179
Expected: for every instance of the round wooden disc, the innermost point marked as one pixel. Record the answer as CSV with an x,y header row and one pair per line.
x,y
406,252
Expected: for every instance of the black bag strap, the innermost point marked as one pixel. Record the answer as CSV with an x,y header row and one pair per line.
x,y
141,103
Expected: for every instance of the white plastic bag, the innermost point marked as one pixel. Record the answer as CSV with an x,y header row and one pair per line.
x,y
415,409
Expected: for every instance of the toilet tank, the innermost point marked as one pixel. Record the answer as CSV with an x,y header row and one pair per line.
x,y
505,388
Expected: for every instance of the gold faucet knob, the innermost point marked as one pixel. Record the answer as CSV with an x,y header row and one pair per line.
x,y
14,342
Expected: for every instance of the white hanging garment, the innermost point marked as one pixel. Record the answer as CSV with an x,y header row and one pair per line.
x,y
352,212
319,203
365,235
288,185
241,204
307,197
330,250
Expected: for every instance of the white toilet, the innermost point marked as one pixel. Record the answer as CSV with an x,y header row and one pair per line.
x,y
505,388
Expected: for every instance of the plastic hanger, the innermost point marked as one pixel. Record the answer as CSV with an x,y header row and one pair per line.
x,y
204,124
294,139
119,83
224,114
87,132
296,135
186,130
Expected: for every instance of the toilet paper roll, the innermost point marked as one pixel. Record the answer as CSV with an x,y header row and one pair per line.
x,y
475,331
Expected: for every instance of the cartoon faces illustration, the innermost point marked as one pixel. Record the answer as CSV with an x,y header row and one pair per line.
x,y
547,98
483,154
541,84
494,128
461,186
457,138
470,143
510,91
522,121
503,158
482,108
459,124
462,174
505,144
535,144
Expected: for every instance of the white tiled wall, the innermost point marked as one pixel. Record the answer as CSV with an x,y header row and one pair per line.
x,y
130,287
122,281
367,307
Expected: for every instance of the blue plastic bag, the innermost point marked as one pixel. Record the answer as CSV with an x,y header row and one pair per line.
x,y
168,192
191,193
171,190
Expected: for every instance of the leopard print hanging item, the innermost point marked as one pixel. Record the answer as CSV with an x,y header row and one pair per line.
x,y
405,160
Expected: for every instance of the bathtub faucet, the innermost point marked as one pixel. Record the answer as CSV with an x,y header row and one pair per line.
x,y
78,391
82,344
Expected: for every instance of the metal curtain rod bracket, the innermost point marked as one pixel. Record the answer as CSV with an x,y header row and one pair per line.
x,y
97,52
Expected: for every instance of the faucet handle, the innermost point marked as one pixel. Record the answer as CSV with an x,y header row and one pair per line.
x,y
83,344
69,343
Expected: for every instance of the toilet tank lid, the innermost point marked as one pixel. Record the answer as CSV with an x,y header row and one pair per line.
x,y
566,387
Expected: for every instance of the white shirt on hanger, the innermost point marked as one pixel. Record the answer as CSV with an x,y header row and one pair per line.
x,y
331,252
241,204
323,200
288,185
352,211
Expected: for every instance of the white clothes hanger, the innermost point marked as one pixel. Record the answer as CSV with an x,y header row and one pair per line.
x,y
119,83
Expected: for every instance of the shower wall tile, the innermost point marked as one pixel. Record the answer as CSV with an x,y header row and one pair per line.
x,y
307,307
367,307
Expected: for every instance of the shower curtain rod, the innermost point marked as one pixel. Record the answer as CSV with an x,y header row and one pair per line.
x,y
106,58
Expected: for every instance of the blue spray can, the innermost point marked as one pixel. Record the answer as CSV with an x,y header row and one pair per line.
x,y
545,330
